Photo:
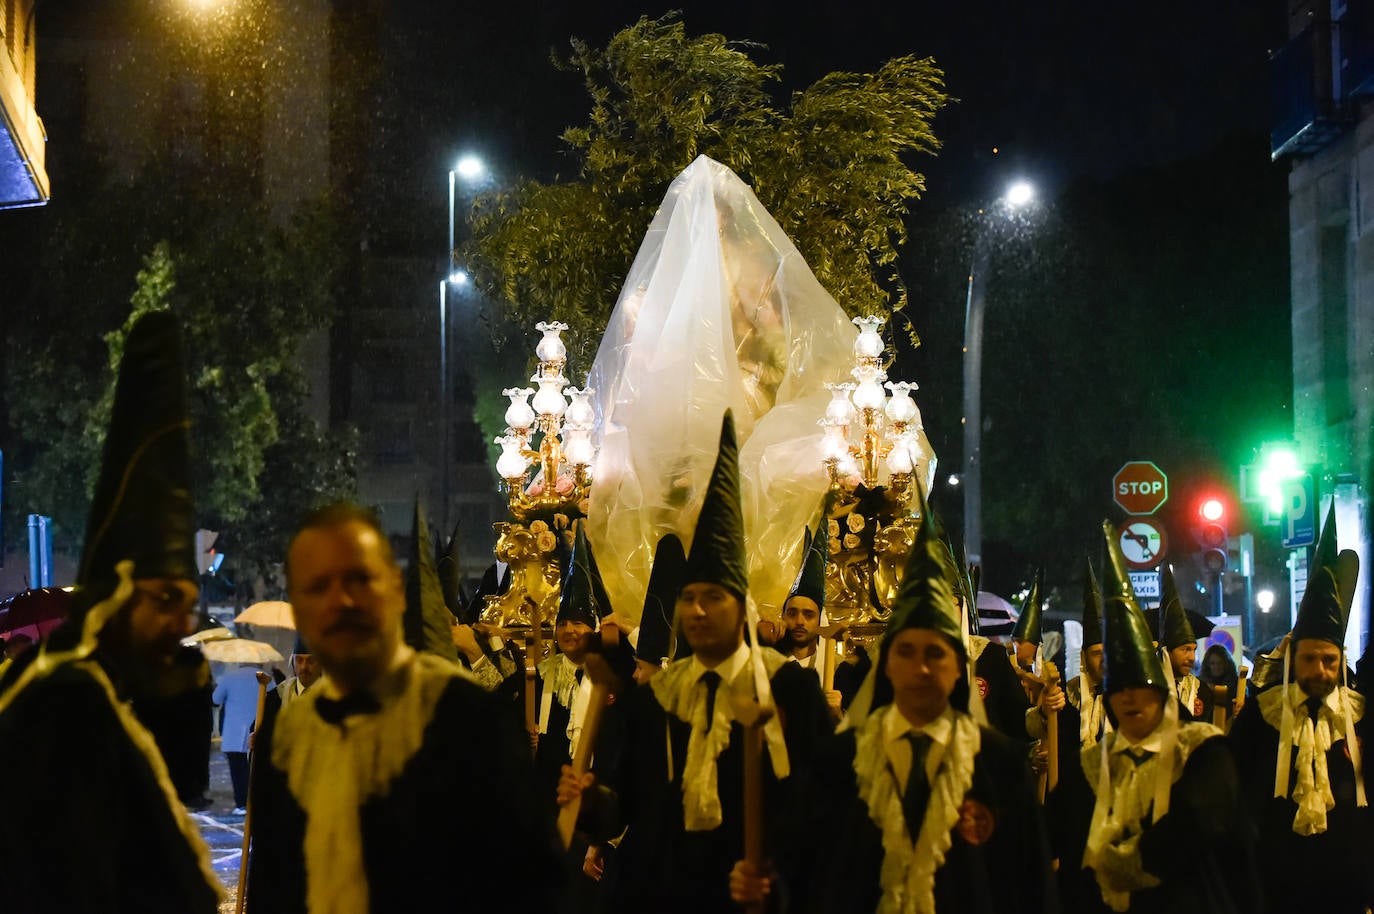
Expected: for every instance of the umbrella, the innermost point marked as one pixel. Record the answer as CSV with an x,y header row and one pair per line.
x,y
272,613
240,650
995,615
35,608
210,634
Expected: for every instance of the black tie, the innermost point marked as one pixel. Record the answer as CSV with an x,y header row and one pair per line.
x,y
1314,707
578,675
917,794
712,680
333,711
1139,756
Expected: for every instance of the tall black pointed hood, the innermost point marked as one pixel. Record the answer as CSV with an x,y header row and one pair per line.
x,y
717,554
1028,622
1092,606
925,599
427,618
142,509
660,602
1128,646
975,579
1325,607
448,562
582,597
1176,628
810,582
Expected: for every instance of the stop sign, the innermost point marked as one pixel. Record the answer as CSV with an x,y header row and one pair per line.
x,y
1140,487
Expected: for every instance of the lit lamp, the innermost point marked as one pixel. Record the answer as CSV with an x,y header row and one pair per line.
x,y
512,463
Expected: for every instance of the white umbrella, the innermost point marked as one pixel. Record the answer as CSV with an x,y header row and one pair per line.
x,y
272,613
210,634
241,650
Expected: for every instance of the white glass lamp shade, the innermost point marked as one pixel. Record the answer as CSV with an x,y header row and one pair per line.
x,y
519,415
869,344
577,447
869,392
549,399
840,410
551,348
901,408
511,464
899,458
834,445
580,413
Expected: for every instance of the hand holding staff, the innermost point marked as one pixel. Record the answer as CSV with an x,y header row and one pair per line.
x,y
752,716
604,682
1051,779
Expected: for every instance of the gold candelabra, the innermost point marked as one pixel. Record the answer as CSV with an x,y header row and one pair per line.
x,y
544,507
869,514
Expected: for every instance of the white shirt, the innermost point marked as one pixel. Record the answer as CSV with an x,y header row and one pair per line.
x,y
1152,743
728,668
895,729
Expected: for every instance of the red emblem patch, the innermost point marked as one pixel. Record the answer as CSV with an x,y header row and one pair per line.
x,y
982,687
976,823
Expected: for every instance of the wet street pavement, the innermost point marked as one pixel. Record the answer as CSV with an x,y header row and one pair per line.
x,y
222,830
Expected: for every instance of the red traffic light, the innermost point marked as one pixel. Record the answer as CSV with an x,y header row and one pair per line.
x,y
1212,510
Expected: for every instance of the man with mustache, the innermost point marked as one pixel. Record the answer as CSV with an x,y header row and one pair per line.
x,y
395,745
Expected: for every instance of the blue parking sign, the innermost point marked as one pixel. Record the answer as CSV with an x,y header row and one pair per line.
x,y
1299,512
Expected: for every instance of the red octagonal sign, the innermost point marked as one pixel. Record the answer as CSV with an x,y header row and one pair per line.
x,y
1140,487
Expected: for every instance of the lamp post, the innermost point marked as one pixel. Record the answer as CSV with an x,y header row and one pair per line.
x,y
1018,195
469,168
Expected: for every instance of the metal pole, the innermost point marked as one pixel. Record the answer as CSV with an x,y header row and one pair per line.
x,y
443,402
973,400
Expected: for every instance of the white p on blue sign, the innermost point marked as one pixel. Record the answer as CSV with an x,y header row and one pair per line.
x,y
1299,511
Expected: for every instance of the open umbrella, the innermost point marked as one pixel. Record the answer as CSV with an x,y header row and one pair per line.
x,y
272,613
35,611
240,650
209,634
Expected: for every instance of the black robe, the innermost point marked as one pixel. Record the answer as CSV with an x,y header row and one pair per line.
x,y
1202,849
444,835
666,869
1329,872
86,826
1008,874
1004,698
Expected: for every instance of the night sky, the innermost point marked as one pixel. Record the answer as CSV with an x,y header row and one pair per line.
x,y
1064,90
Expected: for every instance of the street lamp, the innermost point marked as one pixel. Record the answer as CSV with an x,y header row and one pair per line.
x,y
469,169
1018,195
1265,599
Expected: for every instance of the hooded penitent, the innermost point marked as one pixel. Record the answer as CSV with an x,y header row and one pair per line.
x,y
427,619
1028,622
1092,606
448,563
810,582
582,597
1177,630
142,509
1325,607
660,602
717,553
1128,646
1322,616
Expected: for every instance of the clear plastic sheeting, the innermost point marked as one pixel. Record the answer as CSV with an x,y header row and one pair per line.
x,y
719,311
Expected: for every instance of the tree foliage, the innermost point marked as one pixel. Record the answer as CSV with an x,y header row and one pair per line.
x,y
833,166
247,293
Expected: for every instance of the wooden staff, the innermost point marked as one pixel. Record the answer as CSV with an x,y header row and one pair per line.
x,y
263,680
834,634
1051,778
752,716
532,651
604,683
1219,707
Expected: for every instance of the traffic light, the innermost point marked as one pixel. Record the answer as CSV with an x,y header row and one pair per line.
x,y
1211,533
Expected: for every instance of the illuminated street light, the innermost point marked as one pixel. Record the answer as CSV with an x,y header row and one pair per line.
x,y
470,167
458,277
1019,194
1265,599
1280,465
